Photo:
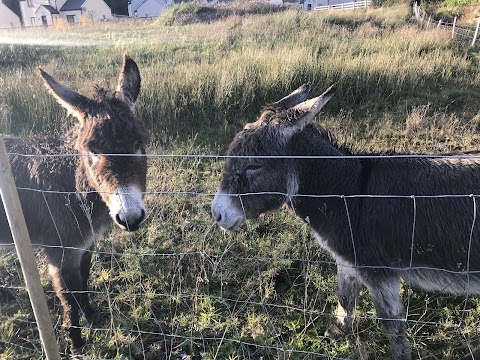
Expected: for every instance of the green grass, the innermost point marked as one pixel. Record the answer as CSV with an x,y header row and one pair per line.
x,y
181,283
452,3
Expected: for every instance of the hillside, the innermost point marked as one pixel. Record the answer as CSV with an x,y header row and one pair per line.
x,y
466,11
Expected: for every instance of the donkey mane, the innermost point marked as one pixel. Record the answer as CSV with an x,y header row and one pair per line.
x,y
274,112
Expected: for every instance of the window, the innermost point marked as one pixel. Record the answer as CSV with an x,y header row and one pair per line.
x,y
32,20
30,3
309,7
71,19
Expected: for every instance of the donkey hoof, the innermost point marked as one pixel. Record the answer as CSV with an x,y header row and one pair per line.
x,y
334,332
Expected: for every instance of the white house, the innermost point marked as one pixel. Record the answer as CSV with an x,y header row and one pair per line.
x,y
147,8
45,12
72,10
8,19
308,5
46,15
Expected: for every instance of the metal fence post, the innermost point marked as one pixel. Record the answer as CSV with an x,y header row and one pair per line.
x,y
18,227
453,29
476,33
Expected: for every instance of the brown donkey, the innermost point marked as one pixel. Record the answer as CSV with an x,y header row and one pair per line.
x,y
69,201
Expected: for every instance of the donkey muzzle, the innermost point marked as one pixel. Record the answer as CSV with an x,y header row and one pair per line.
x,y
127,208
226,213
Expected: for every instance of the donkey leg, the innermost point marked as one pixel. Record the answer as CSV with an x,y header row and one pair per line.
x,y
385,292
64,268
84,301
347,292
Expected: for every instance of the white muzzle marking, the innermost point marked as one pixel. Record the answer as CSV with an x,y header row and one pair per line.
x,y
226,212
127,206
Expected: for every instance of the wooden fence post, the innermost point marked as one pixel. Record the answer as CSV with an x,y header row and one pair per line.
x,y
439,23
416,12
453,29
476,33
18,227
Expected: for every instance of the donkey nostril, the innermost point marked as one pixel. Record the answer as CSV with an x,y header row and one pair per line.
x,y
120,221
218,218
142,216
131,224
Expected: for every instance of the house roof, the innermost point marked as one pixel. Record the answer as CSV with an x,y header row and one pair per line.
x,y
50,9
72,5
8,8
160,2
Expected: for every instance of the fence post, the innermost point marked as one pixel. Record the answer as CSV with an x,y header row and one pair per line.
x,y
439,23
476,33
453,29
429,20
18,227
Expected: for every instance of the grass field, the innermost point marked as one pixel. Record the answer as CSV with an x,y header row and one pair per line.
x,y
180,286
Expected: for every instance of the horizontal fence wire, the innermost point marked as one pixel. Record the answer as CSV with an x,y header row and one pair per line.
x,y
355,5
219,157
193,309
462,33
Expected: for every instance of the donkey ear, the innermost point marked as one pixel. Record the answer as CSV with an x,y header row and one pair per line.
x,y
129,80
295,98
308,109
75,103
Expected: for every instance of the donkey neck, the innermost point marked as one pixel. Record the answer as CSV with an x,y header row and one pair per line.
x,y
327,180
336,176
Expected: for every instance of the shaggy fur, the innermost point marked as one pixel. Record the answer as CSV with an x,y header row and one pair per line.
x,y
433,243
66,199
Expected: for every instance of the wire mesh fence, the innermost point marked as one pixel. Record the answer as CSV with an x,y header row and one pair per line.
x,y
180,288
465,34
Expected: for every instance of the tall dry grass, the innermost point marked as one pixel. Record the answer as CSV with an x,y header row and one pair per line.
x,y
224,71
